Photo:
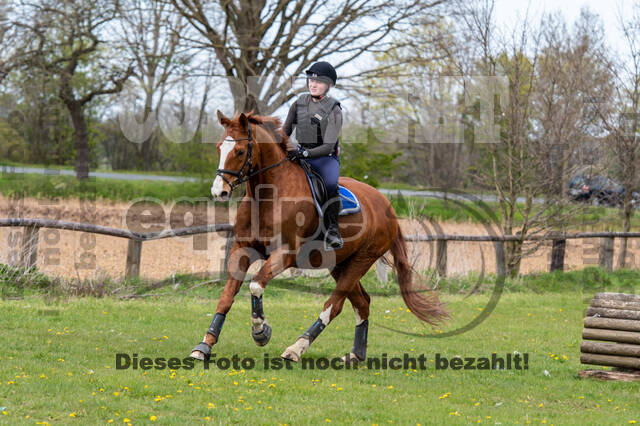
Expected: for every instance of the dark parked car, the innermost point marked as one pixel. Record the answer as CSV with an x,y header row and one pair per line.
x,y
598,190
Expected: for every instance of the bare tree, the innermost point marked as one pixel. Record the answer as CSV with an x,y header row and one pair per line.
x,y
151,33
7,51
570,72
621,115
513,165
413,97
258,42
65,39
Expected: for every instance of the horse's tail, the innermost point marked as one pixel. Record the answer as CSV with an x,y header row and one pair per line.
x,y
422,302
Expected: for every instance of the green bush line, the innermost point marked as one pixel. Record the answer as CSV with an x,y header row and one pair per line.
x,y
42,186
17,281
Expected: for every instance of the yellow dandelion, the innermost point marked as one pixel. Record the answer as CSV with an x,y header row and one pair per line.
x,y
116,393
72,415
153,418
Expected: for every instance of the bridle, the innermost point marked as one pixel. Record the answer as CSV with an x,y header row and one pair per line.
x,y
241,177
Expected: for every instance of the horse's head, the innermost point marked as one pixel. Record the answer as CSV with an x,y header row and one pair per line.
x,y
235,149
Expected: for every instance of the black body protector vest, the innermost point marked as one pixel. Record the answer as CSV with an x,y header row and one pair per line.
x,y
310,130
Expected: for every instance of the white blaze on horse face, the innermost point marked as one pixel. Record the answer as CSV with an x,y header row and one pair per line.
x,y
225,149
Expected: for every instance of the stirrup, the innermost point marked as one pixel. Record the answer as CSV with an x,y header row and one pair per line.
x,y
336,242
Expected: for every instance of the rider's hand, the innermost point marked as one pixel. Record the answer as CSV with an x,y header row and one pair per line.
x,y
293,155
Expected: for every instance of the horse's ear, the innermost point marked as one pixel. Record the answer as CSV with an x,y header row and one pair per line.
x,y
243,121
222,119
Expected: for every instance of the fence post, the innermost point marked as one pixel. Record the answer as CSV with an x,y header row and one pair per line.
x,y
501,269
441,257
227,252
557,255
29,248
605,258
381,271
134,252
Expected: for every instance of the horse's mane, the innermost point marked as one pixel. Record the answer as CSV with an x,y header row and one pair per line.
x,y
273,126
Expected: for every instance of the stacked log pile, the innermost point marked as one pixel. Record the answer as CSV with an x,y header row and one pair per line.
x,y
611,334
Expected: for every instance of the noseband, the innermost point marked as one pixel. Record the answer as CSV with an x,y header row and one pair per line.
x,y
246,171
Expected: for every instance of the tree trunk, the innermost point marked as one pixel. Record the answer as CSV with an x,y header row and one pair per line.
x,y
626,226
564,178
513,257
81,139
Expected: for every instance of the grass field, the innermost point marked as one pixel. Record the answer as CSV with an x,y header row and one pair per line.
x,y
58,359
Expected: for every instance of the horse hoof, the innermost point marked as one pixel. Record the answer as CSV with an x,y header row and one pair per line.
x,y
351,358
262,337
202,351
291,355
197,355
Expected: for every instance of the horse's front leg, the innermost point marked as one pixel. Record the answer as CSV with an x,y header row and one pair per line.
x,y
279,260
240,259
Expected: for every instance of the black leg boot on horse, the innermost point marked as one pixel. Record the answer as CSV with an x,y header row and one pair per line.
x,y
332,238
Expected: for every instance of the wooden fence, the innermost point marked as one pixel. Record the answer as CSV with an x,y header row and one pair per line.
x,y
29,243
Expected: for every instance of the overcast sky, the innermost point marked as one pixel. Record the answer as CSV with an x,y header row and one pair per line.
x,y
507,11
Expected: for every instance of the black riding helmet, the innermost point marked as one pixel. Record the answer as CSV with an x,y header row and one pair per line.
x,y
322,71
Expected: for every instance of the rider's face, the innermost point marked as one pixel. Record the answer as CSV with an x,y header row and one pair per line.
x,y
317,88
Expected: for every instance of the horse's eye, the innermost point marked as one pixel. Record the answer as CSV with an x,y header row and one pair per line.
x,y
240,152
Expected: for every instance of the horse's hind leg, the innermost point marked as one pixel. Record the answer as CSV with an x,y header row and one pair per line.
x,y
347,276
360,301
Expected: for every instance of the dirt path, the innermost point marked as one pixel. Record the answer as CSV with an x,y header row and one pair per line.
x,y
73,254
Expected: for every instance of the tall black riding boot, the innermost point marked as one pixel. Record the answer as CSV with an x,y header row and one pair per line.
x,y
332,238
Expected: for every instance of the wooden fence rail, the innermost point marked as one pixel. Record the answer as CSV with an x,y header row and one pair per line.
x,y
29,244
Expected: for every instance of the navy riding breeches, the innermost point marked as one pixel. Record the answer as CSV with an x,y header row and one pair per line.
x,y
329,168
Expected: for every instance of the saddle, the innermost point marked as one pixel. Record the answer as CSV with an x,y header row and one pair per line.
x,y
349,203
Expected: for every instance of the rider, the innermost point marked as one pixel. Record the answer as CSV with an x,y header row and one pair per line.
x,y
318,119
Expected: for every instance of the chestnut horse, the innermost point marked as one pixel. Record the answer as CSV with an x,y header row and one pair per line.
x,y
277,221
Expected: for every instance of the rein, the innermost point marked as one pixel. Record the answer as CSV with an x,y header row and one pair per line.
x,y
241,177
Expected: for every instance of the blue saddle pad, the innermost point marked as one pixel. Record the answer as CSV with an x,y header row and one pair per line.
x,y
349,202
